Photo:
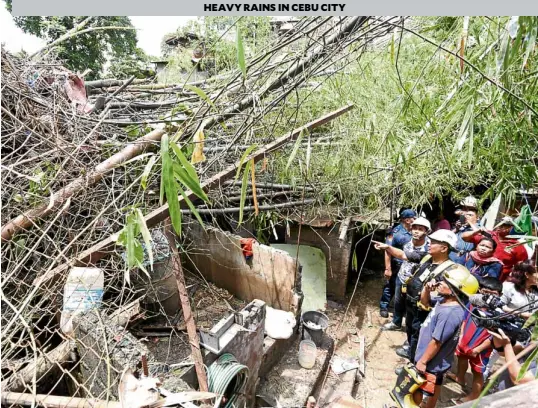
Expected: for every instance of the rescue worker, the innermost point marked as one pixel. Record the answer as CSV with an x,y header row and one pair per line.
x,y
398,237
427,268
420,242
438,337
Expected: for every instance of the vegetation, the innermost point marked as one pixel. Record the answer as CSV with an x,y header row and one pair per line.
x,y
426,122
88,50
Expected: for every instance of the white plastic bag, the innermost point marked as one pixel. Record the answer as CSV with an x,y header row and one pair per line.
x,y
278,323
82,291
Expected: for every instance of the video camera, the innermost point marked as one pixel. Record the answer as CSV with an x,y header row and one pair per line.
x,y
511,325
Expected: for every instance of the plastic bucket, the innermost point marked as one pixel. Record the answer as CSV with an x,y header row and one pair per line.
x,y
314,325
161,291
307,354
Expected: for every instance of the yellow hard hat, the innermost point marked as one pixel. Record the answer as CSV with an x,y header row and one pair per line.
x,y
460,278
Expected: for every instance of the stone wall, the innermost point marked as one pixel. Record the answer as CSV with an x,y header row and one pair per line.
x,y
268,276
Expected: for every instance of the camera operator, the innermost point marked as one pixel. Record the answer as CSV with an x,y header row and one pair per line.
x,y
468,215
508,378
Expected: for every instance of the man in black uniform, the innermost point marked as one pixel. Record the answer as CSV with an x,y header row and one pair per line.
x,y
429,266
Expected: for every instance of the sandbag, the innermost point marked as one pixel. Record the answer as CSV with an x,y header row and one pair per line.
x,y
278,323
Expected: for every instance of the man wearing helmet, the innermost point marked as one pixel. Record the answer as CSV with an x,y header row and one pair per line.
x,y
426,269
419,243
440,331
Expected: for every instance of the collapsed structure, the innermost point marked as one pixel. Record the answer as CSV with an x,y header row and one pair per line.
x,y
76,157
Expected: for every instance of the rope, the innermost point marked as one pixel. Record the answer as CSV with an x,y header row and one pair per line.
x,y
222,373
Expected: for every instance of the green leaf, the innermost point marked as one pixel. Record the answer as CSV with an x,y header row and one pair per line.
x,y
464,129
530,321
295,150
244,187
187,174
241,53
392,49
242,160
192,207
147,170
170,185
135,253
181,174
201,94
526,364
146,236
471,142
354,262
531,41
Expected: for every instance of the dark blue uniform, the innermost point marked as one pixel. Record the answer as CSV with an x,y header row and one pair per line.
x,y
397,237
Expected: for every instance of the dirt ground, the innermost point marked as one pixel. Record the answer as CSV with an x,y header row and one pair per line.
x,y
381,360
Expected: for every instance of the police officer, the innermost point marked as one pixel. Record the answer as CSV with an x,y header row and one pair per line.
x,y
397,237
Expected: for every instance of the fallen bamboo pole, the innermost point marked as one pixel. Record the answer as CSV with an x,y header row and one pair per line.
x,y
40,366
105,83
188,317
271,186
54,401
30,217
99,250
232,210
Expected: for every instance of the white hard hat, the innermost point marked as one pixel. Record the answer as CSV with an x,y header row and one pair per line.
x,y
446,236
470,202
423,222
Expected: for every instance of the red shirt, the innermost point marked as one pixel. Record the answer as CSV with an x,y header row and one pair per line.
x,y
508,256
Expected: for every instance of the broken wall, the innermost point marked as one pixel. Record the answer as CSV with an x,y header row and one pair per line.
x,y
337,253
268,276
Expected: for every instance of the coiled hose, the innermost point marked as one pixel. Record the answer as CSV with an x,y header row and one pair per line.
x,y
228,378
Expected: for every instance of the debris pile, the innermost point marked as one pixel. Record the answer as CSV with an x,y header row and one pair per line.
x,y
76,157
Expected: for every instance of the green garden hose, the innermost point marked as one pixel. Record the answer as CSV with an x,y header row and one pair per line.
x,y
224,372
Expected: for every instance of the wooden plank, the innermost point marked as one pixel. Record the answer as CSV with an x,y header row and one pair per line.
x,y
188,317
158,215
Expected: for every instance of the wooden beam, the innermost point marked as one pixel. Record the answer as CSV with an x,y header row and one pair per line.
x,y
185,304
99,250
40,367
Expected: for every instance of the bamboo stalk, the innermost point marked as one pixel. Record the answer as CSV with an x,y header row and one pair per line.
x,y
30,217
100,249
40,366
54,401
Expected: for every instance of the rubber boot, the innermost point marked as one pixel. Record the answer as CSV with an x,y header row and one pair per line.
x,y
407,383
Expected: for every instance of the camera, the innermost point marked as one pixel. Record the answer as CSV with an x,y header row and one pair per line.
x,y
511,325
